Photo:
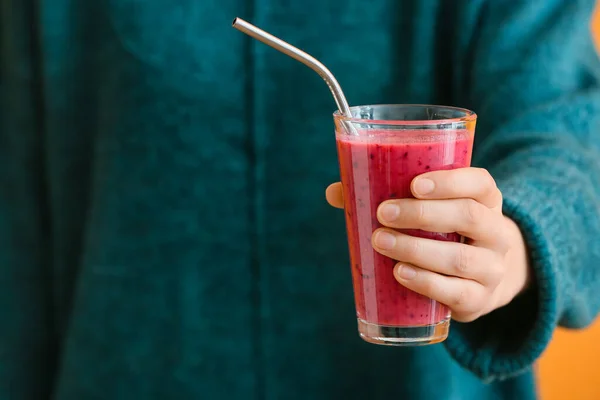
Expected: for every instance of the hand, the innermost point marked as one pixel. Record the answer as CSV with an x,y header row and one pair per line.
x,y
472,278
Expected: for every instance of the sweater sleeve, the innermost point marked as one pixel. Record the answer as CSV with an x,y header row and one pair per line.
x,y
533,78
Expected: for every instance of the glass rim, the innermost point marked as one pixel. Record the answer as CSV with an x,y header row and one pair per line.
x,y
468,117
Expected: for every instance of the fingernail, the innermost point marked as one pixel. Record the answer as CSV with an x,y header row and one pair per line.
x,y
389,212
423,186
385,240
405,272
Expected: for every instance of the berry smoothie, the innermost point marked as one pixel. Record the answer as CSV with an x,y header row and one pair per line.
x,y
377,167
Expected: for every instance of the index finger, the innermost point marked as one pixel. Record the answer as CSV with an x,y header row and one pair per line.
x,y
472,183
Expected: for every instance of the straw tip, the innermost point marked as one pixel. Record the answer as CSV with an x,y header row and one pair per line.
x,y
235,20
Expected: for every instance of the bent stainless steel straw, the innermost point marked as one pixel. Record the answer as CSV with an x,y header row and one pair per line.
x,y
299,55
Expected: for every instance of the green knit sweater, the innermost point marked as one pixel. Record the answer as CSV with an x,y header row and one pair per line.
x,y
163,229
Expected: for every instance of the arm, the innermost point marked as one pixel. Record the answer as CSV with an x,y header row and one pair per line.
x,y
533,78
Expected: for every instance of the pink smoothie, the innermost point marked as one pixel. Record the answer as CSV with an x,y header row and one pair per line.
x,y
379,167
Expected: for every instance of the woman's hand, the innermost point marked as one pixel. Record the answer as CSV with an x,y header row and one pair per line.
x,y
472,278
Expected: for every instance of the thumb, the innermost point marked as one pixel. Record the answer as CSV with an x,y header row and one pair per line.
x,y
334,195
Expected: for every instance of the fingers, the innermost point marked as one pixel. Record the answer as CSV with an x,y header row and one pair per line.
x,y
463,296
464,216
473,183
447,258
334,195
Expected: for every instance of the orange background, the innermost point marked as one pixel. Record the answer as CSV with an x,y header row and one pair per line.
x,y
570,368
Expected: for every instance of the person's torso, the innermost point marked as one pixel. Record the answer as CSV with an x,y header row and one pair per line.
x,y
194,252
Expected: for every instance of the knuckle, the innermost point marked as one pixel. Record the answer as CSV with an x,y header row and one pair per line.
x,y
490,182
412,248
473,211
463,302
496,273
499,196
490,186
463,260
421,213
453,183
502,244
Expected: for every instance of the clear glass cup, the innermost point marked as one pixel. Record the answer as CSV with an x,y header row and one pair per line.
x,y
381,149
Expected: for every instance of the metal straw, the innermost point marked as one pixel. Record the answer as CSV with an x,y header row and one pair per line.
x,y
299,55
